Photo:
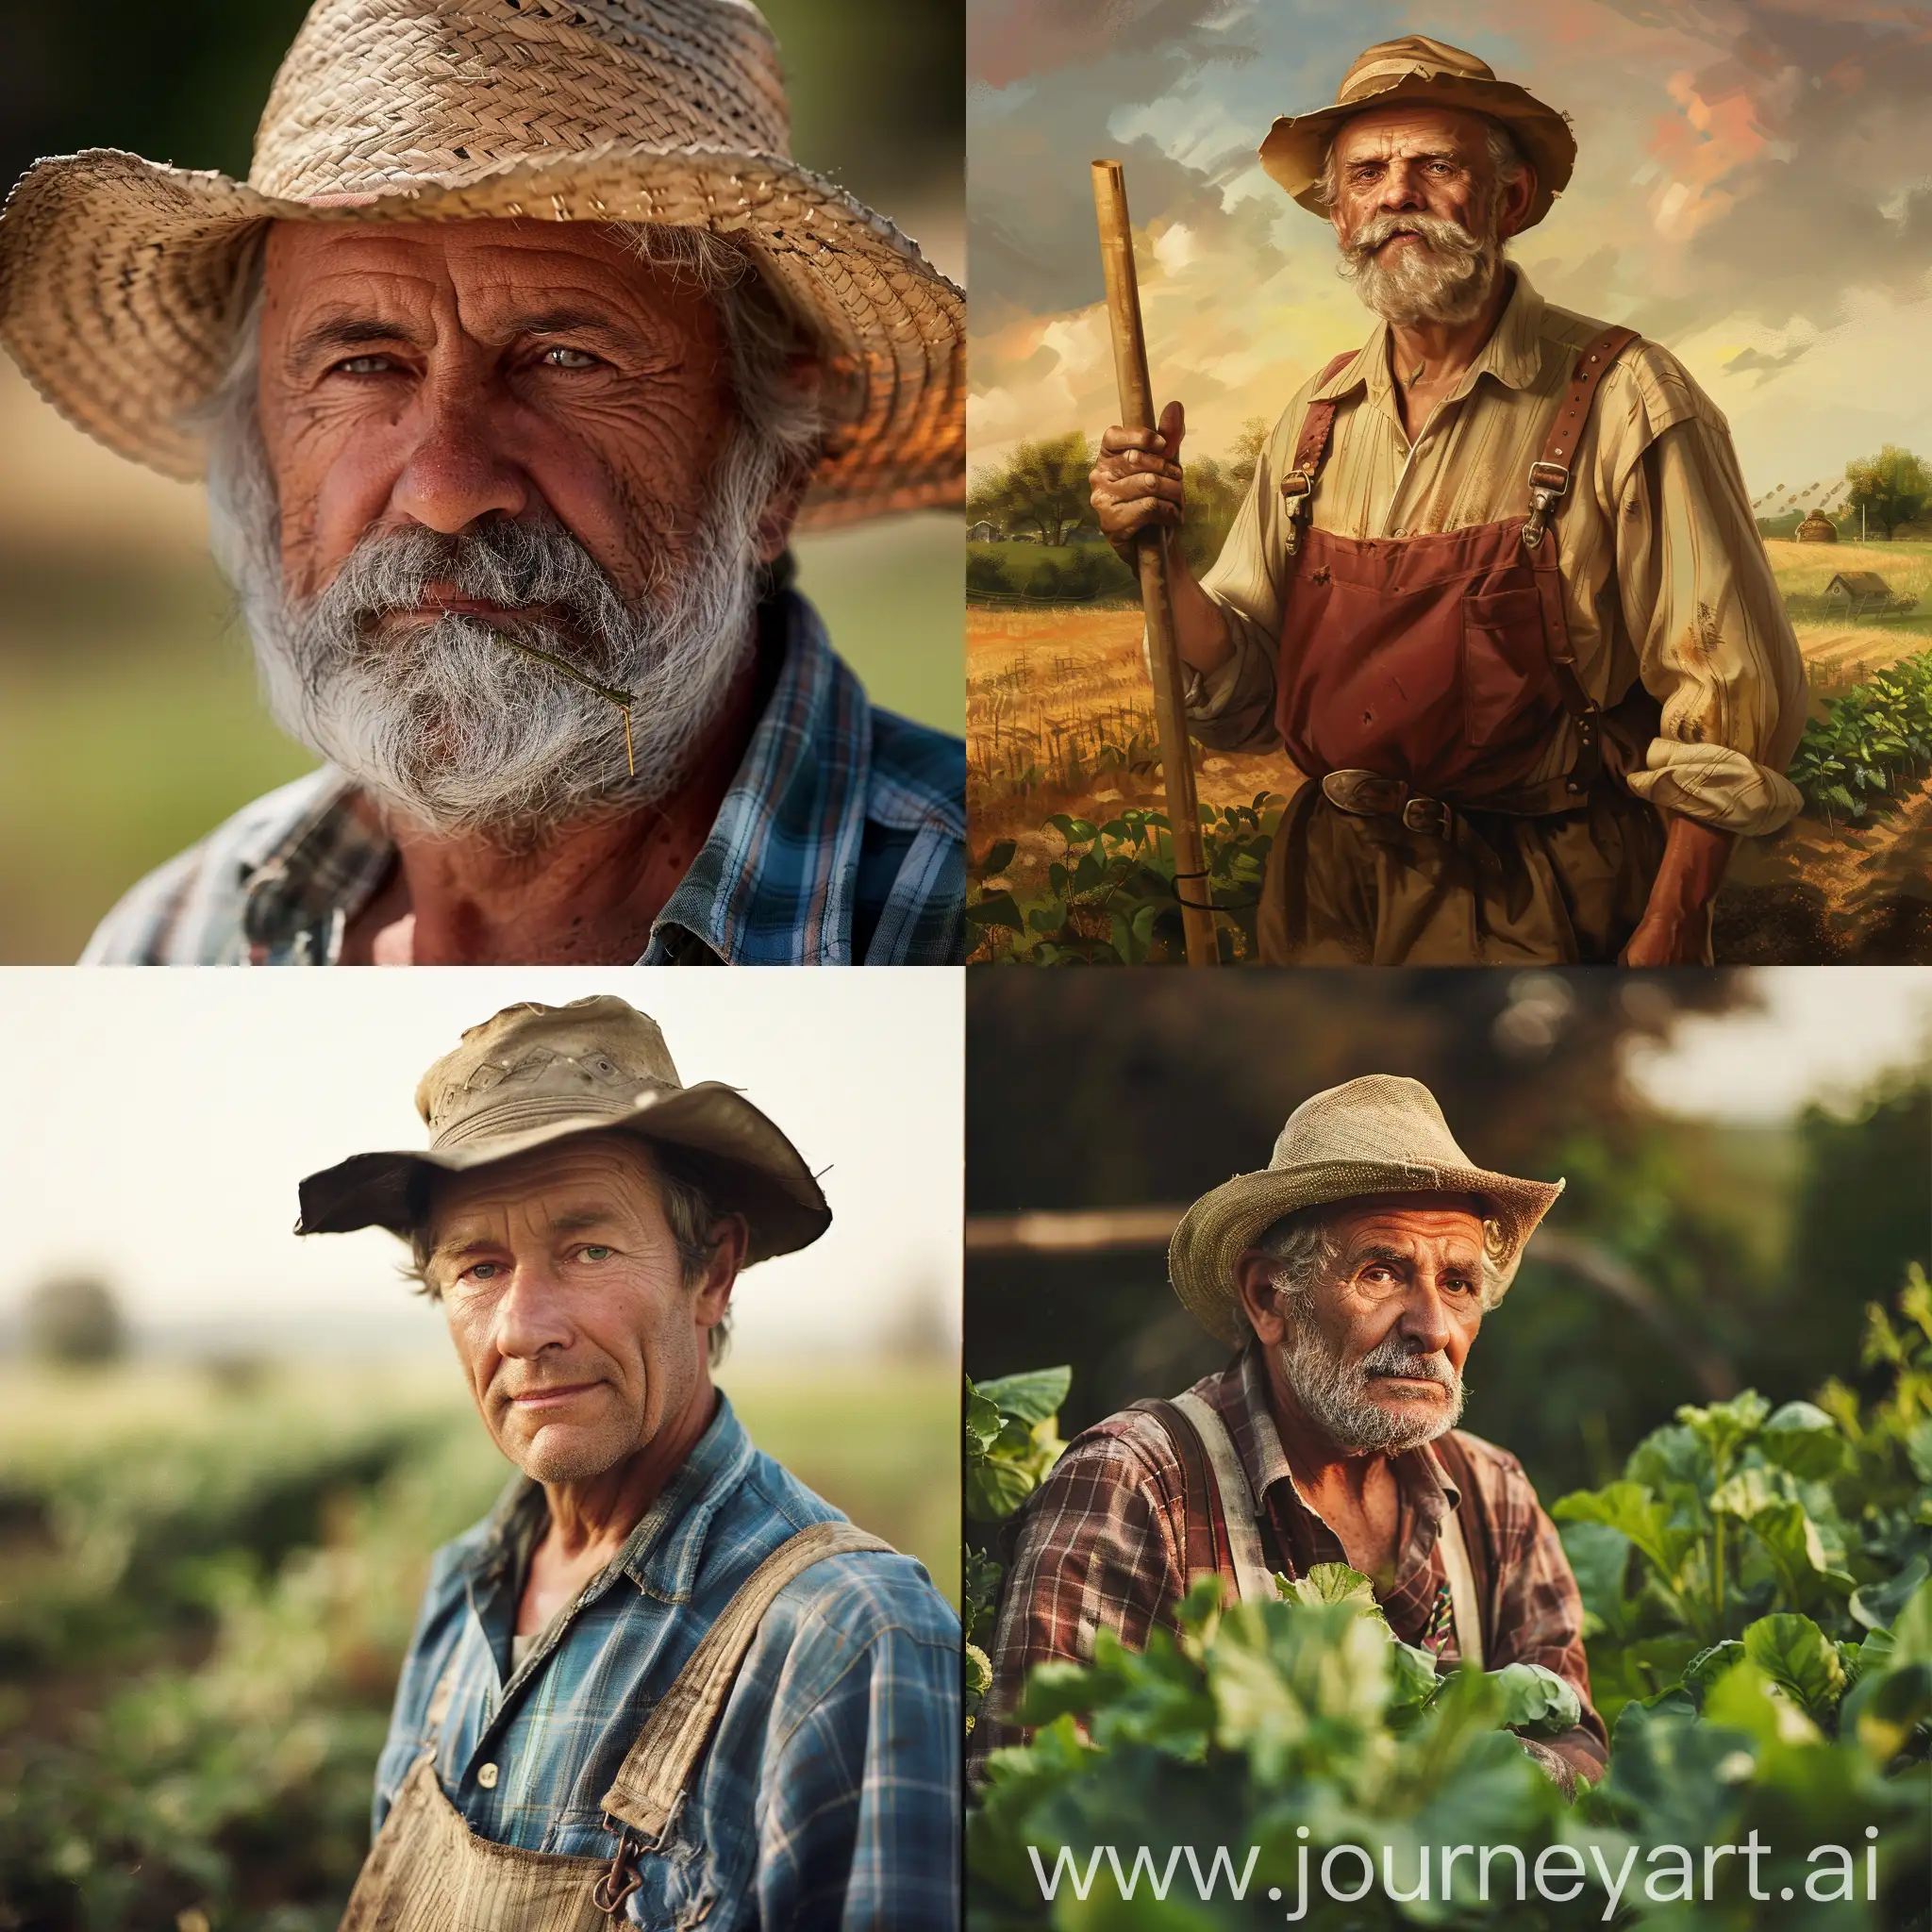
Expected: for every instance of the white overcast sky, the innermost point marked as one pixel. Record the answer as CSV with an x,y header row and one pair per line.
x,y
1818,1033
157,1123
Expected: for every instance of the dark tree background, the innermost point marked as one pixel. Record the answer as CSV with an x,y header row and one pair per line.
x,y
1698,1259
877,93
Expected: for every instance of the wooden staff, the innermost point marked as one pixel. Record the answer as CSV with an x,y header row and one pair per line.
x,y
1156,599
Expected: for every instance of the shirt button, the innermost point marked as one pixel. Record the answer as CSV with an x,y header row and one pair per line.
x,y
487,1777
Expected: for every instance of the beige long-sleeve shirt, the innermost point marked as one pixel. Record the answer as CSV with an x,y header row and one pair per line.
x,y
1664,575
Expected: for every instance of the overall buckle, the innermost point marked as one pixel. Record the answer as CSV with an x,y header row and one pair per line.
x,y
1547,482
623,1877
1297,487
1430,816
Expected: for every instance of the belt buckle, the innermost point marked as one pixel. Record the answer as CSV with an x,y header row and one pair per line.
x,y
1428,816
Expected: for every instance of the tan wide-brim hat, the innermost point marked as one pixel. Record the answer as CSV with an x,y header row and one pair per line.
x,y
1380,1135
122,279
1415,68
534,1074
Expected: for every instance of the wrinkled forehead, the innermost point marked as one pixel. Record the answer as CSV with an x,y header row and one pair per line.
x,y
1411,129
1452,1223
608,1175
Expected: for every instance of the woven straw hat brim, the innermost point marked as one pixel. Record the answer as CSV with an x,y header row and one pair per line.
x,y
1296,150
753,1168
1216,1230
120,280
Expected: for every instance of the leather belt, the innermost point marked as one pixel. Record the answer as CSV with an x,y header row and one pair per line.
x,y
1370,796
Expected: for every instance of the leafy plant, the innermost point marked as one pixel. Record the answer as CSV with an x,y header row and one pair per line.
x,y
1112,897
1871,743
1013,1440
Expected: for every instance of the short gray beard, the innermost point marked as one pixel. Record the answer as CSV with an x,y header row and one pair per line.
x,y
1333,1392
1448,280
446,725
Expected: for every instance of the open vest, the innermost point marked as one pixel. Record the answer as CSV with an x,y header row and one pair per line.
x,y
428,1872
1221,1523
1418,673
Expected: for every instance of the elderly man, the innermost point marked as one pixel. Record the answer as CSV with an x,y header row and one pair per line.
x,y
1353,1272
664,1681
1496,588
512,367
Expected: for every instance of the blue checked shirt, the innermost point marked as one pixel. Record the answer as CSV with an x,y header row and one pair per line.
x,y
830,1796
842,840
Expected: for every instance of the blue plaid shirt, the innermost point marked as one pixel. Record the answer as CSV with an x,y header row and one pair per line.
x,y
830,1795
842,840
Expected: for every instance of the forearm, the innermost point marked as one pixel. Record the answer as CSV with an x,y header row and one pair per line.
x,y
1200,625
1675,929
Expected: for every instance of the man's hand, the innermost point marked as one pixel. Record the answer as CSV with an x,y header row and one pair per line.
x,y
1675,927
1135,484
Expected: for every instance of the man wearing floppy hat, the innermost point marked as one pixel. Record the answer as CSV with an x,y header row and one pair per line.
x,y
1496,588
665,1682
511,368
1352,1276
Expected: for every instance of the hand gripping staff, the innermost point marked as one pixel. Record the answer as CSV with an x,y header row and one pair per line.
x,y
1170,704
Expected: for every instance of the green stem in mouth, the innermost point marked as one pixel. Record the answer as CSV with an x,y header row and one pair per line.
x,y
610,693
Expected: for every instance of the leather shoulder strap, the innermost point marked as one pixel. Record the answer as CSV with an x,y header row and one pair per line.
x,y
1468,1528
1592,365
1252,1577
654,1775
1319,422
1203,1534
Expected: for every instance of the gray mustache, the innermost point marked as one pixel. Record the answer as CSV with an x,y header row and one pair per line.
x,y
1437,231
1393,1358
509,563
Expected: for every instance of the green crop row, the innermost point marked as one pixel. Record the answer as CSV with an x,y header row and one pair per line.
x,y
1873,742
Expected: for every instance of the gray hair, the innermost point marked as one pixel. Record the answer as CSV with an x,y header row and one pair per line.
x,y
784,421
1304,1248
1508,163
690,1211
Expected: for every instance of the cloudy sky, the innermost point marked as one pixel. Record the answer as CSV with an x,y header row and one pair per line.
x,y
158,1122
1754,190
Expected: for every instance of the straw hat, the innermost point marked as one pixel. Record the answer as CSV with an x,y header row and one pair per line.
x,y
1415,68
121,278
1378,1135
534,1074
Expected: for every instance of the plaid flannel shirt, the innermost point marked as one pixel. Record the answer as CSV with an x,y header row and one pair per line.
x,y
1102,1540
830,1794
842,840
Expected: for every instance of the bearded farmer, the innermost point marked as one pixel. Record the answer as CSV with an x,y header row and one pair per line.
x,y
1352,1276
663,1681
1496,588
511,368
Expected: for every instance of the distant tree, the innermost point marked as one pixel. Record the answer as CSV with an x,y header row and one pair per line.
x,y
74,1321
1248,446
1890,488
1041,485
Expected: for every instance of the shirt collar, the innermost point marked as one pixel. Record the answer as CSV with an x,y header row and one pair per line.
x,y
782,857
1513,354
661,1555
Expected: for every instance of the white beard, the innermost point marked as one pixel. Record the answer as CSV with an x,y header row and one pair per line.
x,y
1333,1394
1447,279
446,724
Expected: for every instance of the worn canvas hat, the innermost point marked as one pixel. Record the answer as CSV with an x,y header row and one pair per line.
x,y
1415,68
1378,1135
122,279
534,1074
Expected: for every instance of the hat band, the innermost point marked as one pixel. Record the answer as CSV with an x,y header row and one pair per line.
x,y
532,1111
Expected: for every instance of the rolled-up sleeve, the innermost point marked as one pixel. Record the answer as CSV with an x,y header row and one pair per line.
x,y
1715,647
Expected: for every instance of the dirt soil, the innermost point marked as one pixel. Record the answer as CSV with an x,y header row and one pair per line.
x,y
1809,894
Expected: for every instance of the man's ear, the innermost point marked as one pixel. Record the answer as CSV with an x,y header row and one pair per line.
x,y
806,374
1261,1300
729,1240
1518,199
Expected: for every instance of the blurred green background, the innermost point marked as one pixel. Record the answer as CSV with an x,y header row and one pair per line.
x,y
210,1574
128,722
1702,1249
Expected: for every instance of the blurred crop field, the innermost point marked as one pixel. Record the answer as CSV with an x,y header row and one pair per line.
x,y
209,1575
